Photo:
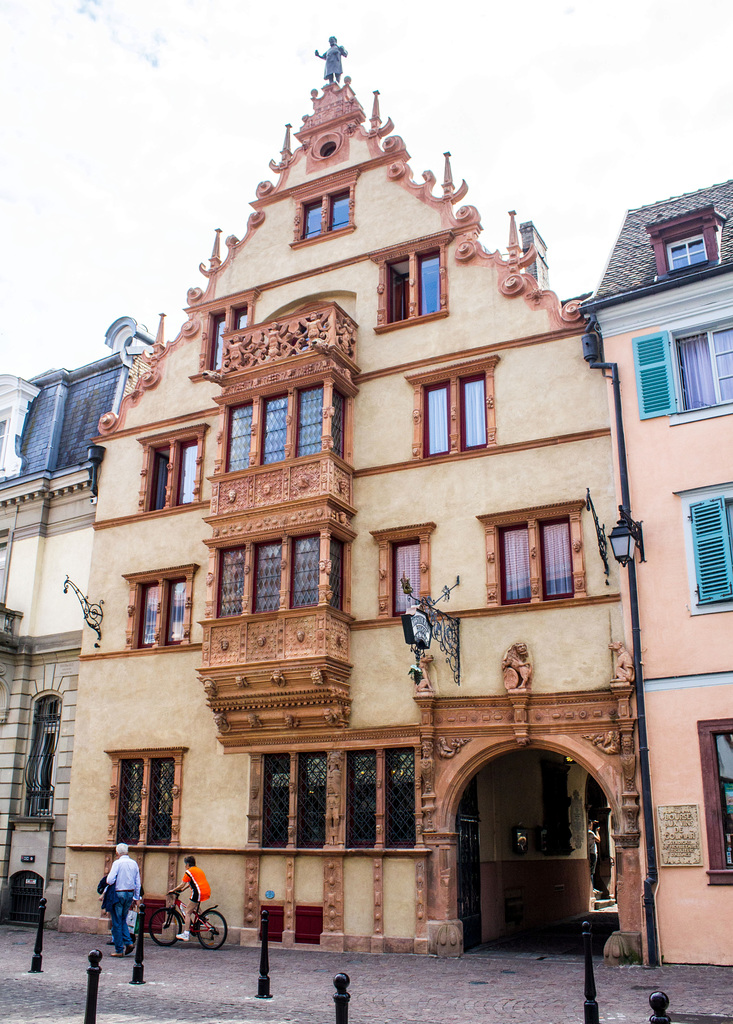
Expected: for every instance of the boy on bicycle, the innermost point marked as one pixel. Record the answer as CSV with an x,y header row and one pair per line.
x,y
195,880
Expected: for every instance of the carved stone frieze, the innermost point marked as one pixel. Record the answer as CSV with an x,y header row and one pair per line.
x,y
224,645
448,748
333,895
609,742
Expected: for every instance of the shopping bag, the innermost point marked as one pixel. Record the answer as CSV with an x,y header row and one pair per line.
x,y
132,920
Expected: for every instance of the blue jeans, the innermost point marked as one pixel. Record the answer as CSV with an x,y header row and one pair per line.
x,y
120,932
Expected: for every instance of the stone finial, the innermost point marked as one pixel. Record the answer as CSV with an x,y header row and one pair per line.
x,y
160,336
215,258
286,150
376,118
448,187
513,248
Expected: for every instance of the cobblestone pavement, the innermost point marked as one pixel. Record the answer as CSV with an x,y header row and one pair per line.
x,y
187,983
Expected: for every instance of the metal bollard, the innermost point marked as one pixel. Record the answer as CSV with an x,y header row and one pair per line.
x,y
37,959
263,982
591,1006
93,972
138,971
341,998
659,1003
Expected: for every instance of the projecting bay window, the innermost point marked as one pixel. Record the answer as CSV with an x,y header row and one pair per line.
x,y
268,562
160,607
172,468
274,429
453,409
310,421
535,555
231,582
304,573
146,797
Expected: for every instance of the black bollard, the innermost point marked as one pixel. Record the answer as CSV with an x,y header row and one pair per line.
x,y
263,982
659,1003
93,972
37,959
138,971
591,1006
341,998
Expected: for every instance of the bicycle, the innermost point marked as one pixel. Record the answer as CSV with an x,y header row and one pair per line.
x,y
166,923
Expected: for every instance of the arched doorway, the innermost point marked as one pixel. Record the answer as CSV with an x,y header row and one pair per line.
x,y
522,852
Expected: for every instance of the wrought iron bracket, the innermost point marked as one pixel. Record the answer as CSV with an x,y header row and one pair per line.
x,y
93,613
600,534
446,629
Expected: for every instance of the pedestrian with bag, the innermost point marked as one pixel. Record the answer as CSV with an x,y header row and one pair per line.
x,y
125,877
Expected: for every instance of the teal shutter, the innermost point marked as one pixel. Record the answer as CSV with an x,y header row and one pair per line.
x,y
712,546
654,376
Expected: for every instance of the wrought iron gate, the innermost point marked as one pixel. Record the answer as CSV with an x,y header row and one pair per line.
x,y
469,866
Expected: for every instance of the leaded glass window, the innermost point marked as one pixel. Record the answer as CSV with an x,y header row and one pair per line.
x,y
130,802
276,414
240,438
335,577
176,611
39,769
361,828
337,424
305,571
231,583
400,797
161,800
269,561
311,800
310,421
275,799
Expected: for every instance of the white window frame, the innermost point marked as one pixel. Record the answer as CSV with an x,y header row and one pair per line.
x,y
680,336
686,242
689,498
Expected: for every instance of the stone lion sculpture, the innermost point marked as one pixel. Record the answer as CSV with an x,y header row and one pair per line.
x,y
517,668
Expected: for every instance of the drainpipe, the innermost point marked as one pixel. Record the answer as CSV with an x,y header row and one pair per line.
x,y
592,350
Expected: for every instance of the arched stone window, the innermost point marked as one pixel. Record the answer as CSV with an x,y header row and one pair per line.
x,y
39,771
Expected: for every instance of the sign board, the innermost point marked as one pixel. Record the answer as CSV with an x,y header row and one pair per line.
x,y
680,843
27,858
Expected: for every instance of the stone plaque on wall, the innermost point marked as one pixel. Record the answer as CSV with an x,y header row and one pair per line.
x,y
679,835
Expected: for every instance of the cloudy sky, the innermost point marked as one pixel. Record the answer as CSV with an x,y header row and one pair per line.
x,y
131,129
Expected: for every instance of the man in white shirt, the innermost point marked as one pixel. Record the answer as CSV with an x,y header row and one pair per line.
x,y
126,877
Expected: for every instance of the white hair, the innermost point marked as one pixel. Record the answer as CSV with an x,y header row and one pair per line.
x,y
122,849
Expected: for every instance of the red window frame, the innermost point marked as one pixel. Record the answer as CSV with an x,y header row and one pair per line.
x,y
422,259
230,420
307,209
502,533
396,585
161,458
332,200
184,447
445,386
220,595
398,302
147,590
265,403
565,594
171,585
300,394
217,326
239,314
476,379
256,595
294,543
718,871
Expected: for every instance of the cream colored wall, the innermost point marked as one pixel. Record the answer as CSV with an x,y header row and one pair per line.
x,y
272,876
358,896
693,916
663,459
399,897
38,568
309,879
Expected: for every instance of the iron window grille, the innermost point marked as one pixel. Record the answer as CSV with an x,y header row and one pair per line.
x,y
162,774
130,801
275,800
400,797
39,768
311,800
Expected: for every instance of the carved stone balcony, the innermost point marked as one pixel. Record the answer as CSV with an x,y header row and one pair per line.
x,y
326,330
273,673
260,487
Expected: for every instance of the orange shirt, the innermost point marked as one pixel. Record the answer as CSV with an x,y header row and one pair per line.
x,y
200,889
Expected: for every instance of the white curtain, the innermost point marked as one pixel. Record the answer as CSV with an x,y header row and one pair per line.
x,y
407,563
723,342
474,415
438,421
556,553
177,606
516,564
697,373
150,615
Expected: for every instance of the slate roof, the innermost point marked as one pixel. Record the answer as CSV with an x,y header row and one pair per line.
x,y
64,415
632,265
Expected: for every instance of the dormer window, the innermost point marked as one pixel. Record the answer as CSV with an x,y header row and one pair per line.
x,y
686,253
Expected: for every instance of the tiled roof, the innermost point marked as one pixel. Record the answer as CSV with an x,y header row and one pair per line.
x,y
632,264
64,415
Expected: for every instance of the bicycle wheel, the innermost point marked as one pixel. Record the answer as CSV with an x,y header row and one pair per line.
x,y
212,929
164,925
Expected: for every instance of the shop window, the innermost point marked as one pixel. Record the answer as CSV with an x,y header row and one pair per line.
x,y
454,409
172,468
160,607
146,797
39,770
404,553
535,554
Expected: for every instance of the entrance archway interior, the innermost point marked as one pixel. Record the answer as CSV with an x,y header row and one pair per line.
x,y
523,857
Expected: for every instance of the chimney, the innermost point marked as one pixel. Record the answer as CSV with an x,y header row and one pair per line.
x,y
538,269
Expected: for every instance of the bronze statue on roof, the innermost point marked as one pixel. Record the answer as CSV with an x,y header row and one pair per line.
x,y
332,57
